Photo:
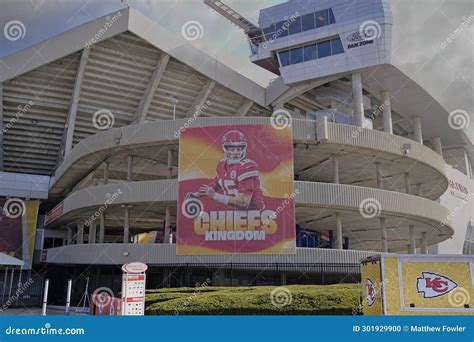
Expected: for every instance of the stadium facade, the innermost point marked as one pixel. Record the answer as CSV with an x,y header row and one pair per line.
x,y
91,134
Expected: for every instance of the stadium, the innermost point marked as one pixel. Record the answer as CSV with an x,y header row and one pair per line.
x,y
91,151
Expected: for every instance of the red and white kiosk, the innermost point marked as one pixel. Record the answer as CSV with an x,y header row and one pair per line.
x,y
133,289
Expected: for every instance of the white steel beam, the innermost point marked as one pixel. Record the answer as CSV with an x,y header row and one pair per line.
x,y
155,79
300,89
72,113
201,98
244,108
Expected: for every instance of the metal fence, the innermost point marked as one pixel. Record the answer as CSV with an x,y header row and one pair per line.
x,y
20,288
240,274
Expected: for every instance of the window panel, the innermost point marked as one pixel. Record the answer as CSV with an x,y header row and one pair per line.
x,y
322,18
281,29
295,26
307,22
324,49
296,55
284,58
269,32
336,46
310,52
332,20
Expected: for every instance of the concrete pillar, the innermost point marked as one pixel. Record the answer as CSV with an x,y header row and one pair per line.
x,y
407,182
1,126
92,231
102,228
424,243
335,164
106,173
170,163
387,113
130,168
80,233
438,146
417,131
468,165
383,235
338,231
357,99
69,235
412,240
166,238
419,191
378,170
126,225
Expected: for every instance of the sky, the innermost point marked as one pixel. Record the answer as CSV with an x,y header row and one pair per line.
x,y
420,32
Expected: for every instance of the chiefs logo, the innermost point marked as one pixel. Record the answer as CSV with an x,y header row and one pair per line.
x,y
370,292
434,285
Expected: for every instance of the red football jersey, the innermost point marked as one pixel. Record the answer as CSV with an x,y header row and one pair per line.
x,y
242,177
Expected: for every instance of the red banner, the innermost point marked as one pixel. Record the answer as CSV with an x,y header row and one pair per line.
x,y
236,190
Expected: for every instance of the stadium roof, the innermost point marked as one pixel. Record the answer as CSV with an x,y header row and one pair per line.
x,y
136,69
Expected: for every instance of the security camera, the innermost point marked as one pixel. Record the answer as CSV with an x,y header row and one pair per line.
x,y
406,148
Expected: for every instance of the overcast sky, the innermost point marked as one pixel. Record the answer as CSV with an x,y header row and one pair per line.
x,y
420,27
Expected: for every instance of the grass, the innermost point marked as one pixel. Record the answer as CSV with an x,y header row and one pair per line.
x,y
339,299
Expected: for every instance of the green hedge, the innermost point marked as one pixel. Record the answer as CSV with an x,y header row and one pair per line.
x,y
305,300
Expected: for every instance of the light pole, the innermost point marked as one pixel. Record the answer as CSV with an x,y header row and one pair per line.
x,y
174,101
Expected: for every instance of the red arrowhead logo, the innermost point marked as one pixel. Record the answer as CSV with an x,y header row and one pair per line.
x,y
434,285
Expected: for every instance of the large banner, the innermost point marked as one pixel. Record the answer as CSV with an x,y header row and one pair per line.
x,y
18,221
236,190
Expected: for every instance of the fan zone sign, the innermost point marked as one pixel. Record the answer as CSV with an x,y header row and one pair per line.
x,y
236,190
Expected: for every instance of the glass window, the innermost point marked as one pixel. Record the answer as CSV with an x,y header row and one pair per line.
x,y
296,55
307,22
284,58
310,52
332,20
336,46
269,31
322,18
324,49
295,26
281,29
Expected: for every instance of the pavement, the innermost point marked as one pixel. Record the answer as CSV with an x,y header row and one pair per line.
x,y
56,311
